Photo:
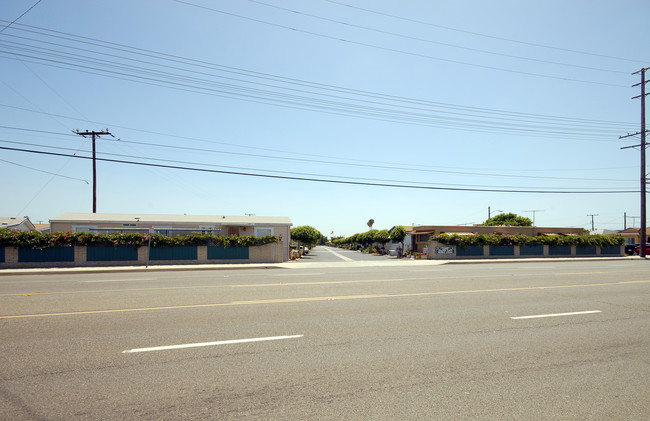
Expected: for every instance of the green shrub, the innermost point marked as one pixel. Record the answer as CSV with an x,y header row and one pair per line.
x,y
465,241
37,240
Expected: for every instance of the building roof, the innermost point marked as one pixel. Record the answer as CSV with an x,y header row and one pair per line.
x,y
42,227
171,219
12,222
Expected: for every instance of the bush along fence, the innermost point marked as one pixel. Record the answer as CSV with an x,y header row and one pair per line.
x,y
452,246
31,249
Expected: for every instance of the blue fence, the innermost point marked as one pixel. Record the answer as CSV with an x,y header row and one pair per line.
x,y
560,251
228,253
469,251
502,250
585,250
173,253
51,254
537,250
111,254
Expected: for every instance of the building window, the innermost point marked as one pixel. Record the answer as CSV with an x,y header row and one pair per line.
x,y
167,231
263,231
206,229
84,228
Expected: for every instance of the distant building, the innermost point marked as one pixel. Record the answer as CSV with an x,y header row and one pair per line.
x,y
170,225
42,227
20,224
633,236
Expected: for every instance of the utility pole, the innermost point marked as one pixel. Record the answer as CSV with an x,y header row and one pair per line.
x,y
490,212
534,211
94,135
642,146
592,221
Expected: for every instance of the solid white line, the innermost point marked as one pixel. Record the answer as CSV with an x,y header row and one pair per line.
x,y
347,259
298,274
118,280
539,316
235,341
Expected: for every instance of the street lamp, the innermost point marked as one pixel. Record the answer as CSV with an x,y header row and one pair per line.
x,y
490,213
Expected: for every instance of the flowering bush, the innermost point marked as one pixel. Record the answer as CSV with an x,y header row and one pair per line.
x,y
465,241
37,240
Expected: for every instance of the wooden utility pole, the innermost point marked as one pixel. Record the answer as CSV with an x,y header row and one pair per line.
x,y
642,146
592,221
94,135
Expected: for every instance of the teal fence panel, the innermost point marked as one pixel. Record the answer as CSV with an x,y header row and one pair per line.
x,y
537,250
111,254
559,251
502,250
469,251
228,253
173,253
611,250
50,254
585,250
2,254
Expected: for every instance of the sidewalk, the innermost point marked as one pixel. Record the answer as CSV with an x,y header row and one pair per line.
x,y
295,264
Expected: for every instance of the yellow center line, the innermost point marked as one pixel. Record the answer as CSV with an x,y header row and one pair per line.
x,y
277,284
283,284
330,298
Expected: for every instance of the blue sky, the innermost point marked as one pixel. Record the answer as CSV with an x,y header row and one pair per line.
x,y
513,105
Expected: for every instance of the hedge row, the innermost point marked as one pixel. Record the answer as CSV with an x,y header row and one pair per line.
x,y
523,240
38,240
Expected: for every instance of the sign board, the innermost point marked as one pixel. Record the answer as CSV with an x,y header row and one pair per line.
x,y
444,250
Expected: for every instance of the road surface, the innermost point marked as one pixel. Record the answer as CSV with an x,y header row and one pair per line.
x,y
536,340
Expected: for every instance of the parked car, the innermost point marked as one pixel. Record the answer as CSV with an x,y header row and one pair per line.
x,y
637,249
301,249
631,248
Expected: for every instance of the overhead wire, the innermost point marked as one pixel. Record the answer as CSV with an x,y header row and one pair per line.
x,y
320,180
395,50
347,164
375,110
158,133
551,47
412,38
195,63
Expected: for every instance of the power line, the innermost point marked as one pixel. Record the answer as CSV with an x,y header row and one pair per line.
x,y
484,35
394,50
43,171
23,14
375,164
366,28
331,107
319,180
357,165
390,164
525,123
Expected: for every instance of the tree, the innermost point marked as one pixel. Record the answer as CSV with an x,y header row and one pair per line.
x,y
508,219
368,238
382,237
306,235
397,235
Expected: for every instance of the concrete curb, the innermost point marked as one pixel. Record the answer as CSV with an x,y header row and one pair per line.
x,y
295,265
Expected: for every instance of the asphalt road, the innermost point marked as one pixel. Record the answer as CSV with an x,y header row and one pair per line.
x,y
331,254
358,342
